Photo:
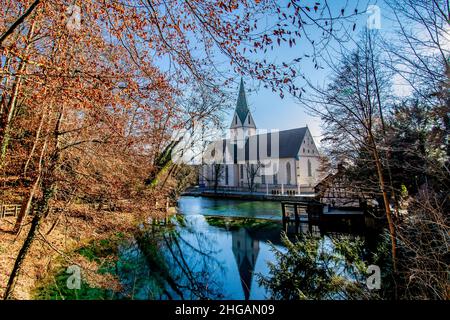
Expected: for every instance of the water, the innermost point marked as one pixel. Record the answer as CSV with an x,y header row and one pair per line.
x,y
208,253
229,207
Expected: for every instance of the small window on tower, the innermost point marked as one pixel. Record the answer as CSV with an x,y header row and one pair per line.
x,y
235,120
248,119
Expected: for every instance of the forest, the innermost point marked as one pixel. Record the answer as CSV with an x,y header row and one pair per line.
x,y
95,96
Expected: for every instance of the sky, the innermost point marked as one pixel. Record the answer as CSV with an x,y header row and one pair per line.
x,y
270,111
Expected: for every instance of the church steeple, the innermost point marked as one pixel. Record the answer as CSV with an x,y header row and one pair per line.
x,y
241,105
242,123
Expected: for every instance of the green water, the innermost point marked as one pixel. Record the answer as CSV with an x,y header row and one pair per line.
x,y
229,208
213,249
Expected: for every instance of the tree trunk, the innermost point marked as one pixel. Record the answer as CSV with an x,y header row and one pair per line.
x,y
18,22
13,100
26,205
36,140
383,125
21,256
4,85
385,200
49,188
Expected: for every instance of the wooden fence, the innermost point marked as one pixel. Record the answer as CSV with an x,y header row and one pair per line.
x,y
269,189
9,210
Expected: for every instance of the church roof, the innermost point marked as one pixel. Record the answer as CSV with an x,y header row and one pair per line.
x,y
241,105
290,142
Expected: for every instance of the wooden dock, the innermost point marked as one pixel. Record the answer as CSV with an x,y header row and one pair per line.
x,y
300,211
313,211
310,217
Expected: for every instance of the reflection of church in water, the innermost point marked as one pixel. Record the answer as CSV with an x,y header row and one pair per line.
x,y
245,251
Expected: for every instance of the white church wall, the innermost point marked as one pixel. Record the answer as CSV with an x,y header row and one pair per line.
x,y
283,172
306,177
308,152
308,147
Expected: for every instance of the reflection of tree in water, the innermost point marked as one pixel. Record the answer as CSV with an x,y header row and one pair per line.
x,y
163,265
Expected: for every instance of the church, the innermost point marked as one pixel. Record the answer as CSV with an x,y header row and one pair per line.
x,y
269,161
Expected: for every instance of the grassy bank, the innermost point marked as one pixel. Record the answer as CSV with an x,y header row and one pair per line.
x,y
81,236
235,223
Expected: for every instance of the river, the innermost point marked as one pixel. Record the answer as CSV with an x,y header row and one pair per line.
x,y
215,249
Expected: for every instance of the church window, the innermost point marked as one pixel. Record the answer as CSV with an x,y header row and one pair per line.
x,y
242,171
303,150
226,174
309,168
263,179
235,119
308,150
288,173
275,176
248,119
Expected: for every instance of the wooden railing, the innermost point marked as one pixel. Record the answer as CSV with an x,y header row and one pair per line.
x,y
290,190
9,210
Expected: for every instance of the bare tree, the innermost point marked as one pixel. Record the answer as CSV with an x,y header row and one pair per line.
x,y
218,172
421,56
252,171
351,107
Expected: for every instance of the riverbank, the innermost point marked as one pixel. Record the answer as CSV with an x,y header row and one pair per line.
x,y
57,243
257,196
212,249
154,262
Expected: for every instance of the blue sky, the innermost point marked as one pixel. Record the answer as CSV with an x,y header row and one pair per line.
x,y
269,110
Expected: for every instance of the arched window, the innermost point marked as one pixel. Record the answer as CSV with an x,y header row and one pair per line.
x,y
249,119
309,168
235,119
275,176
288,172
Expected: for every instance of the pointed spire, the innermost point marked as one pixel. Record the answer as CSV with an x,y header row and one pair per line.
x,y
241,105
